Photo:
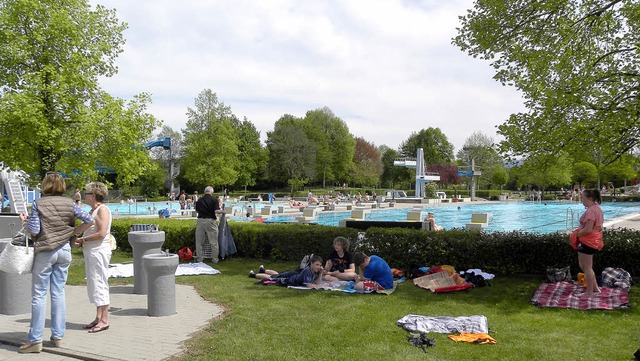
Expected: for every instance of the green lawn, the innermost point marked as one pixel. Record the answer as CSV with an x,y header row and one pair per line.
x,y
275,323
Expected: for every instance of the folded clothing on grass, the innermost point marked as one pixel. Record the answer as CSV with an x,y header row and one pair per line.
x,y
444,324
569,295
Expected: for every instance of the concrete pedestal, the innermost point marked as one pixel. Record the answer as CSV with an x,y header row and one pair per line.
x,y
160,271
15,290
143,243
10,224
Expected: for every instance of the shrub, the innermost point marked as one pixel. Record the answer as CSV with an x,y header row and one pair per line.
x,y
497,252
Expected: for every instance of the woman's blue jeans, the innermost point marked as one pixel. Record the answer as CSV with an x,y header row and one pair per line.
x,y
50,270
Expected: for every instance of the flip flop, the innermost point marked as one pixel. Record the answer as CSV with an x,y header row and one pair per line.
x,y
90,326
99,329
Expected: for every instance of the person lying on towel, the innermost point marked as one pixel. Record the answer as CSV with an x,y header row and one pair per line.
x,y
312,274
375,273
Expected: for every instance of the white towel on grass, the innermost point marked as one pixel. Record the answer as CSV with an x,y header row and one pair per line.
x,y
119,270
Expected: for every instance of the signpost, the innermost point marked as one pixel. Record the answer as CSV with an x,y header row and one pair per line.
x,y
465,173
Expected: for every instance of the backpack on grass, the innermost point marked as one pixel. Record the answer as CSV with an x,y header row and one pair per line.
x,y
306,261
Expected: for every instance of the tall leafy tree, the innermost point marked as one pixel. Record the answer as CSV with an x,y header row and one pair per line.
x,y
391,175
584,173
291,154
575,61
435,145
546,171
367,163
252,157
480,147
333,143
53,114
499,176
618,171
210,151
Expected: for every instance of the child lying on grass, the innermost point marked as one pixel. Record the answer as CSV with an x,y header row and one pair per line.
x,y
312,274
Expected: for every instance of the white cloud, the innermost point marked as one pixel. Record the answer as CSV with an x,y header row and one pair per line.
x,y
387,67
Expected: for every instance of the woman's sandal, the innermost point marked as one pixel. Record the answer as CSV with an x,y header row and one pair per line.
x,y
99,329
90,326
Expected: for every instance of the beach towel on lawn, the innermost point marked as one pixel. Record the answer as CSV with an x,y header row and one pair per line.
x,y
568,295
119,270
441,282
344,286
444,324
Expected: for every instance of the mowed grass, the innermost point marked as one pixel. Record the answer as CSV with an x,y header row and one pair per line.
x,y
275,323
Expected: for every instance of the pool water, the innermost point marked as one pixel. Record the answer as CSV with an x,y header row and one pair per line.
x,y
523,216
507,216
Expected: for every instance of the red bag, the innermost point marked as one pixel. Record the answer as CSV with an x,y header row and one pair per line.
x,y
185,254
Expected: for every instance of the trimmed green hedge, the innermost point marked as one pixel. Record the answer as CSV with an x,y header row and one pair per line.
x,y
497,252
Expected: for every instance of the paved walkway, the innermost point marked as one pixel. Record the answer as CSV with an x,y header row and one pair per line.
x,y
132,336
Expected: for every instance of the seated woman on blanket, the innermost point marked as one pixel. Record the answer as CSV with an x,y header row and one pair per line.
x,y
312,274
340,266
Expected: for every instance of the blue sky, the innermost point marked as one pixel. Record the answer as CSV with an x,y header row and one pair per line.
x,y
387,68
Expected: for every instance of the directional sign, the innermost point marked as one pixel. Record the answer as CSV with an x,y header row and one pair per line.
x,y
465,173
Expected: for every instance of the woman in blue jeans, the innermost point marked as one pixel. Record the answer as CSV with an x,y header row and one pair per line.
x,y
52,225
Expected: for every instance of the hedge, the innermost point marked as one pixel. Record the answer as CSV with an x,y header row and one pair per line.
x,y
496,252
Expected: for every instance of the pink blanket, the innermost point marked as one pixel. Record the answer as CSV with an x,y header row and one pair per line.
x,y
568,295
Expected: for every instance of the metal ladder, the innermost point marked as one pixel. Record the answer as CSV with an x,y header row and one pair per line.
x,y
571,218
16,197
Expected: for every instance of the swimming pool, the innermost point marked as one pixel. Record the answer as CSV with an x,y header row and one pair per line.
x,y
511,216
507,216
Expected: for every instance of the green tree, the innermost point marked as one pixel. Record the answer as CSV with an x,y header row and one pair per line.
x,y
618,171
499,176
53,114
367,164
481,149
584,173
252,157
291,154
211,151
546,171
577,65
391,175
434,143
151,183
334,145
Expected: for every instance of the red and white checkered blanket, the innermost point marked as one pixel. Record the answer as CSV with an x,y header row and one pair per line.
x,y
568,295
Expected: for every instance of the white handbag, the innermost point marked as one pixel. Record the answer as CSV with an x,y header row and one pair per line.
x,y
17,259
112,242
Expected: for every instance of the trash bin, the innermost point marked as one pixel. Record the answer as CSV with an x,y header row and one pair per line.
x,y
15,290
160,270
143,243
